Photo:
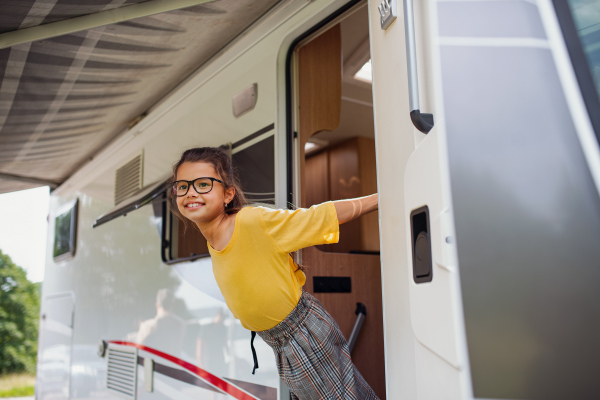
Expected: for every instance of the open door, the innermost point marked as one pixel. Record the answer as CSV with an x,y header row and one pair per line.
x,y
337,161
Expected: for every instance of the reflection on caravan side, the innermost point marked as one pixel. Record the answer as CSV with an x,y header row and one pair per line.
x,y
173,315
526,206
121,293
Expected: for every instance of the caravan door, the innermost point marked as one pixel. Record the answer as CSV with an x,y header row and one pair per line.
x,y
423,320
492,219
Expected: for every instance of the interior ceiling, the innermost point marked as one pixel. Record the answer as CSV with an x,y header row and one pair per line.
x,y
63,98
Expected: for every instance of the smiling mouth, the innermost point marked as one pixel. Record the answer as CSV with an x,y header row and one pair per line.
x,y
193,205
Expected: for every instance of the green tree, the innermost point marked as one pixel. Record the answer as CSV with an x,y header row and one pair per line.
x,y
19,312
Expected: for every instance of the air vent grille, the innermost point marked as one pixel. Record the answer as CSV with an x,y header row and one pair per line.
x,y
128,179
121,371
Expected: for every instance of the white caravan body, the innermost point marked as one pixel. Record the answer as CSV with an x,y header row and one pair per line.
x,y
499,200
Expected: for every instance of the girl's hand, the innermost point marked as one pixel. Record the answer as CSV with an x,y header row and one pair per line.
x,y
350,209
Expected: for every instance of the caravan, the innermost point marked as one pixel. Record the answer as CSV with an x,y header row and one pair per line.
x,y
477,122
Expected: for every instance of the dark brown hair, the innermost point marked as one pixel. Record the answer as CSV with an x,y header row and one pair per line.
x,y
222,164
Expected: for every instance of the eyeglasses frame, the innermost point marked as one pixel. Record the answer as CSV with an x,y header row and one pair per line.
x,y
191,184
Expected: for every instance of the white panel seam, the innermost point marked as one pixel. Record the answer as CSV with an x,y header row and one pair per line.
x,y
494,42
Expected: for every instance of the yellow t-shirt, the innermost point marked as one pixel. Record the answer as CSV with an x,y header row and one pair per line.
x,y
259,280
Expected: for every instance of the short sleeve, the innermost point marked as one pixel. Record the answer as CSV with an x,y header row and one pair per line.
x,y
293,230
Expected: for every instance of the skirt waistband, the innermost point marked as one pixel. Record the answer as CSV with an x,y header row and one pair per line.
x,y
281,332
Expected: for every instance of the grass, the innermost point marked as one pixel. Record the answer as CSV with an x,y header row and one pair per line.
x,y
17,385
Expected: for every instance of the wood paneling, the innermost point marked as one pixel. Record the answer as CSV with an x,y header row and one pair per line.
x,y
365,273
368,185
316,173
343,171
319,88
345,184
346,170
320,83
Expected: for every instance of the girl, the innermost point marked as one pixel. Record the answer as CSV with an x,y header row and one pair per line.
x,y
261,284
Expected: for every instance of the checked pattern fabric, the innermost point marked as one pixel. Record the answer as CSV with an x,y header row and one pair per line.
x,y
312,355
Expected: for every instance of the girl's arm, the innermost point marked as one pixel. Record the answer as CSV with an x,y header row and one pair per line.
x,y
350,209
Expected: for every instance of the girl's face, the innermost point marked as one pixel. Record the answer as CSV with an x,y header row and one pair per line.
x,y
202,208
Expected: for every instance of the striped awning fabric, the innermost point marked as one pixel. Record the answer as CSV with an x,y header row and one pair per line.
x,y
62,98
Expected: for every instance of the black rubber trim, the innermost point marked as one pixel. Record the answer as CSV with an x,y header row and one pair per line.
x,y
165,245
579,62
261,391
171,216
180,375
423,122
253,135
190,258
288,95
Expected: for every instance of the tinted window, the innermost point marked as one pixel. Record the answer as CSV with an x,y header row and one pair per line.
x,y
586,15
65,233
256,170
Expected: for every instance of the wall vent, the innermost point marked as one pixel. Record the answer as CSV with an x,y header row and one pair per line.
x,y
121,371
128,179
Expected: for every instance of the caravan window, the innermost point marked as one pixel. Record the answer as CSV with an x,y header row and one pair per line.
x,y
255,164
256,169
181,242
580,24
65,232
586,16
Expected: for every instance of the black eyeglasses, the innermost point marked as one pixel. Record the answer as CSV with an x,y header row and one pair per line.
x,y
201,186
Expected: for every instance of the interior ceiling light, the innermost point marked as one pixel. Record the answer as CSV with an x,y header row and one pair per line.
x,y
364,73
314,144
308,147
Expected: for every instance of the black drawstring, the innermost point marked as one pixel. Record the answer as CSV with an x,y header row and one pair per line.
x,y
253,352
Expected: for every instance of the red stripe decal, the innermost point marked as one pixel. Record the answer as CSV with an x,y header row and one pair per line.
x,y
204,375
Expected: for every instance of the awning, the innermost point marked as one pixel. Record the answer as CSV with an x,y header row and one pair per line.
x,y
63,98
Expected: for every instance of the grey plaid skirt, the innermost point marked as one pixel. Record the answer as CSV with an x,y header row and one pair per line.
x,y
312,355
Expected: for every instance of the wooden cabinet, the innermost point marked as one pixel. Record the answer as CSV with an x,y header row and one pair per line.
x,y
346,170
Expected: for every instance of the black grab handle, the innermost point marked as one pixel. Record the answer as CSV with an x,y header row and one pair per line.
x,y
422,121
